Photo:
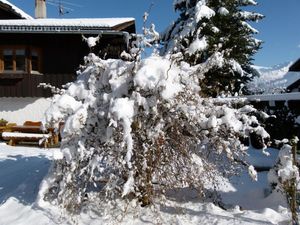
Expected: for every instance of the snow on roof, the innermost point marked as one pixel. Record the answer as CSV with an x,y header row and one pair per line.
x,y
78,22
79,25
274,97
17,10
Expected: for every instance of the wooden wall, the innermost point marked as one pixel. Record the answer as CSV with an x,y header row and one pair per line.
x,y
28,86
61,55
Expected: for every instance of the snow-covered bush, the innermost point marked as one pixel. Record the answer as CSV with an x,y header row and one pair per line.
x,y
134,130
284,177
285,171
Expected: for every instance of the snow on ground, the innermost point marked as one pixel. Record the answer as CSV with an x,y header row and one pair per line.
x,y
23,168
19,110
262,159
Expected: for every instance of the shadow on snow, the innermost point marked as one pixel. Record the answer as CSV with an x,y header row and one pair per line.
x,y
20,177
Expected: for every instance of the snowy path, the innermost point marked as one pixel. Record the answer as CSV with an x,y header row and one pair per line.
x,y
21,171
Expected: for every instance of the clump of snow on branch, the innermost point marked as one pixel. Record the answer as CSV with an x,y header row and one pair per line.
x,y
202,11
249,2
252,172
151,34
149,39
53,89
223,11
197,45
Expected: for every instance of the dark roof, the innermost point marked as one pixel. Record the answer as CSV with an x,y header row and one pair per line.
x,y
296,66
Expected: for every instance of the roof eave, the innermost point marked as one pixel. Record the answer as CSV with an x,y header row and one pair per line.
x,y
123,26
295,67
15,10
57,29
294,85
60,30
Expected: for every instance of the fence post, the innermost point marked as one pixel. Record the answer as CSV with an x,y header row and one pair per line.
x,y
293,203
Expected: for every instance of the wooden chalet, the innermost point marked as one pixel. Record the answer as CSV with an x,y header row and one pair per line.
x,y
34,51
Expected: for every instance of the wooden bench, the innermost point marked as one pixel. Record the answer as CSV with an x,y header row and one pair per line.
x,y
30,132
13,138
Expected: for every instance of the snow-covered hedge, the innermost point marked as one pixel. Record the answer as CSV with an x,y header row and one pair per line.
x,y
138,129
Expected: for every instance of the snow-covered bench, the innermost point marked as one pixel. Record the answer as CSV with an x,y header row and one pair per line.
x,y
13,138
30,132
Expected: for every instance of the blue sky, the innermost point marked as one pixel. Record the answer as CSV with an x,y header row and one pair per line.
x,y
280,30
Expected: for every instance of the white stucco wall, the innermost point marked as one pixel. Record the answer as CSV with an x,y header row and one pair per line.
x,y
19,110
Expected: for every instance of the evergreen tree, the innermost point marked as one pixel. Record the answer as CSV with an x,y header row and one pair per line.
x,y
210,28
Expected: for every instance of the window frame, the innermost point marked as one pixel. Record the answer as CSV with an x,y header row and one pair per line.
x,y
39,62
28,59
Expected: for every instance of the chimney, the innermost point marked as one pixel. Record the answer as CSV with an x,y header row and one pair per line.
x,y
40,9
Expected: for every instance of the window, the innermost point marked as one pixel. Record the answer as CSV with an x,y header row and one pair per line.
x,y
20,59
35,60
8,60
14,60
